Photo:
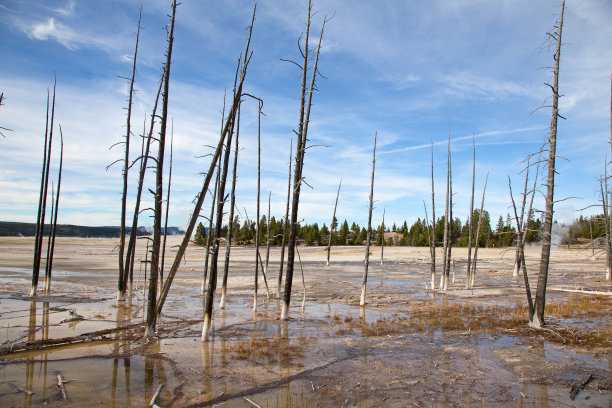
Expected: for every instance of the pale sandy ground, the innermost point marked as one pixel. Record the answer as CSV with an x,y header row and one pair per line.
x,y
331,354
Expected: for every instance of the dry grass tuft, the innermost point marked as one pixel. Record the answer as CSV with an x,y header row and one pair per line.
x,y
278,349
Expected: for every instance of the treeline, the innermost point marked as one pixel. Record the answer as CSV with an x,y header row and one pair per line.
x,y
394,235
586,229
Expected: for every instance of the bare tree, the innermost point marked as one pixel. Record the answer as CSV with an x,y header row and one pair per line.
x,y
299,156
158,197
268,235
257,220
472,277
432,243
382,239
443,276
540,300
471,220
42,201
49,265
285,222
209,233
333,224
366,262
126,167
200,198
231,216
163,256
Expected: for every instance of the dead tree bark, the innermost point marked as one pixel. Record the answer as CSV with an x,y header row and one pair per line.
x,y
609,260
480,215
268,235
285,223
603,185
159,175
126,167
42,203
163,256
433,226
471,227
210,227
332,225
131,248
200,198
443,276
257,220
49,266
382,239
450,225
231,217
366,262
299,160
540,300
212,279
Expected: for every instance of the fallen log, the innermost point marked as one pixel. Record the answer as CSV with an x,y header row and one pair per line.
x,y
584,291
82,338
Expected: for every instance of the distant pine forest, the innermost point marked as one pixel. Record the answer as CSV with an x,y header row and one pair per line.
x,y
25,229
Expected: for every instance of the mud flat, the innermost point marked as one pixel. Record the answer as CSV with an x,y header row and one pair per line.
x,y
407,347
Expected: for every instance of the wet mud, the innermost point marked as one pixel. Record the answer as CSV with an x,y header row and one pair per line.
x,y
407,347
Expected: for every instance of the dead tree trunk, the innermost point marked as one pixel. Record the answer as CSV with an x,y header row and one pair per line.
x,y
331,232
49,266
131,248
268,236
163,256
231,217
42,203
480,215
159,178
285,222
540,300
212,279
609,260
126,166
450,225
200,198
366,262
471,227
257,220
210,228
443,276
299,158
382,239
433,226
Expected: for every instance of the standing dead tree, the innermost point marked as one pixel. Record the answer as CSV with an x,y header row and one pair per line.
x,y
432,242
126,166
158,196
230,223
200,198
366,262
268,242
472,277
146,141
209,233
49,265
221,198
302,134
285,222
447,222
382,239
471,220
333,224
42,200
257,220
540,300
163,256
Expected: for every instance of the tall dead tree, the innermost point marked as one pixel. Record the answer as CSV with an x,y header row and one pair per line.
x,y
49,265
540,300
472,277
200,198
471,227
603,185
443,276
42,200
158,197
230,226
450,225
257,220
299,155
609,264
366,262
333,224
143,159
432,243
126,167
285,223
382,239
163,256
209,233
268,242
212,278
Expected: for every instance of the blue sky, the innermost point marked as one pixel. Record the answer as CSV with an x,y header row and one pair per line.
x,y
402,69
